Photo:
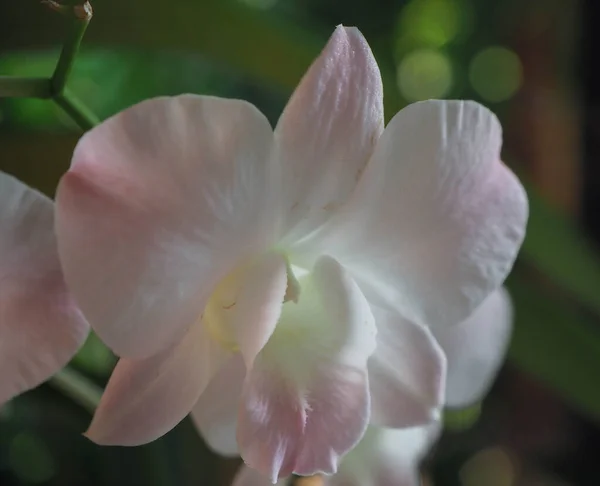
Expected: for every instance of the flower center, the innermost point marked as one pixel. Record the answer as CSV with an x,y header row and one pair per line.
x,y
221,306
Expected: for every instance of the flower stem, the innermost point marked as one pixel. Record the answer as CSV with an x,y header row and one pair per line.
x,y
76,109
82,15
73,107
16,87
77,387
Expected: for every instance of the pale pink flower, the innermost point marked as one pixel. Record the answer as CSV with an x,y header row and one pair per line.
x,y
193,235
391,457
40,326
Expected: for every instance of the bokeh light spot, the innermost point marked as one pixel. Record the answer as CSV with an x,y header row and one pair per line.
x,y
492,467
432,23
496,73
424,74
30,460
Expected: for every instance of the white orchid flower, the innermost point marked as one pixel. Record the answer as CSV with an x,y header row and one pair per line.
x,y
192,234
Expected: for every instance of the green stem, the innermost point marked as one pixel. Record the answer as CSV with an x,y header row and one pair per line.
x,y
71,47
77,387
73,107
16,87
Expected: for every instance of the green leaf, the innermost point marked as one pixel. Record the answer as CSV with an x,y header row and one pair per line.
x,y
557,341
556,247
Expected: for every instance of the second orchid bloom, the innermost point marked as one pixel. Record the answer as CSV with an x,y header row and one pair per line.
x,y
319,258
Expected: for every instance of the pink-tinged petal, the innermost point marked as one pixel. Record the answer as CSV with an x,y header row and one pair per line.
x,y
145,399
436,220
258,304
161,202
306,400
406,373
327,132
386,457
241,314
40,326
215,413
475,349
247,476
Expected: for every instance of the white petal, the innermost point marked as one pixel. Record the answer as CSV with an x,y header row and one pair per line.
x,y
242,314
475,349
437,219
215,413
41,328
327,132
386,457
161,202
145,399
406,373
258,304
306,400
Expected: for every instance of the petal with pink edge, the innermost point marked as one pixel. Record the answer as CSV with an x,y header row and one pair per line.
x,y
327,132
436,220
306,400
476,349
215,413
41,328
386,457
407,373
145,399
161,202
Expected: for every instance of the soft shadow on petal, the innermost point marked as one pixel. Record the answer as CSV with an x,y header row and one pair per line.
x,y
306,400
475,349
145,399
215,413
247,476
407,373
41,328
327,132
386,457
436,220
161,202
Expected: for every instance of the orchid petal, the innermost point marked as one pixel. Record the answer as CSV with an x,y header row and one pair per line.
x,y
386,457
161,202
475,349
406,373
41,328
258,304
436,220
241,314
215,413
145,399
306,401
327,132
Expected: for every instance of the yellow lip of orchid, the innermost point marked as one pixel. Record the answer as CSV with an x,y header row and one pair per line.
x,y
222,302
